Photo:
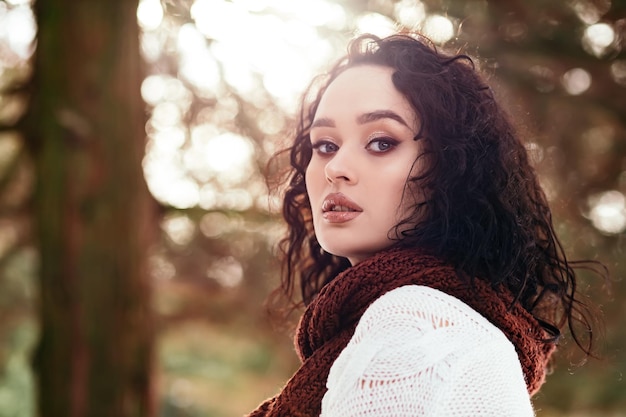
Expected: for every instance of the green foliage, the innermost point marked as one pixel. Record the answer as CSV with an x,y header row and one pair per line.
x,y
18,333
217,370
17,386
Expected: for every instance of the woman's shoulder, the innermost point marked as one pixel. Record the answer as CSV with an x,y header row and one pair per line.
x,y
421,309
426,327
417,348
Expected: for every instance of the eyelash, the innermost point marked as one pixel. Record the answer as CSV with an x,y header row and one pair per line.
x,y
392,143
318,145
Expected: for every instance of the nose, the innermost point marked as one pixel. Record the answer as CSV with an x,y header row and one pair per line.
x,y
341,167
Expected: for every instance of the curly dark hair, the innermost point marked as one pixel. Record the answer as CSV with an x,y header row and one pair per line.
x,y
485,213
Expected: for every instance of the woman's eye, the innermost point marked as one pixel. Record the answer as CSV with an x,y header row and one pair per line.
x,y
325,147
381,145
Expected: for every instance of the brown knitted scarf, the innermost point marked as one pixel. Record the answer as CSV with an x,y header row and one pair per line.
x,y
330,320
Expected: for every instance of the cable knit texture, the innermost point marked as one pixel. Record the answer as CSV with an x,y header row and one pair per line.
x,y
329,323
420,352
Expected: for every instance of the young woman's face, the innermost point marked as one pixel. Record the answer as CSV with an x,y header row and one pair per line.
x,y
363,152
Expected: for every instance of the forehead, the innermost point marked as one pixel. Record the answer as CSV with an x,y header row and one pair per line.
x,y
362,89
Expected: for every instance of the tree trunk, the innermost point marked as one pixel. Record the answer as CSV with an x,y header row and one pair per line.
x,y
93,212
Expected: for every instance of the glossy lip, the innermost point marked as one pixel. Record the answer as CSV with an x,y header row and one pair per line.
x,y
338,199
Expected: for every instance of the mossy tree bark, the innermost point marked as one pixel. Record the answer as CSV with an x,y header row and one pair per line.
x,y
93,211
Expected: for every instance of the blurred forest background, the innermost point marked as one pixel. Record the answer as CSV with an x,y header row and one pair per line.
x,y
136,232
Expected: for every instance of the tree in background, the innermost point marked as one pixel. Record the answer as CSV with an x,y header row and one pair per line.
x,y
92,212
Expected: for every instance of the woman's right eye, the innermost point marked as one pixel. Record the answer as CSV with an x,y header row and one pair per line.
x,y
325,147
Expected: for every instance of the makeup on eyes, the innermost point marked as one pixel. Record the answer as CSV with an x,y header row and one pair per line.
x,y
386,139
328,146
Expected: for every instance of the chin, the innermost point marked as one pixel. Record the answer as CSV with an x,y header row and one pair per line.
x,y
352,253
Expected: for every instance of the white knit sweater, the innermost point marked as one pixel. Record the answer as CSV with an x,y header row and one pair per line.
x,y
420,352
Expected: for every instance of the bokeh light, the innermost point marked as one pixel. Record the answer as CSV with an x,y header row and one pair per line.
x,y
576,81
206,162
179,228
618,71
196,63
438,28
597,38
227,271
18,29
225,156
608,211
160,268
376,24
149,14
411,13
590,12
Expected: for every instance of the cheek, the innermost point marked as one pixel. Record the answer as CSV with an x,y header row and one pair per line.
x,y
312,179
385,193
399,197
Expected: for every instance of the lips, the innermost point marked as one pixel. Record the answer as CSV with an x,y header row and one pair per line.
x,y
337,208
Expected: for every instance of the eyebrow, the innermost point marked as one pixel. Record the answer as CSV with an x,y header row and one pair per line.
x,y
368,117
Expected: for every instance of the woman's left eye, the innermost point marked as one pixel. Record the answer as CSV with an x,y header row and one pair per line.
x,y
381,145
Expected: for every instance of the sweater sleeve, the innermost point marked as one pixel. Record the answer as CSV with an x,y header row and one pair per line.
x,y
420,352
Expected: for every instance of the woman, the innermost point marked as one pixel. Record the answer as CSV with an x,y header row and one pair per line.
x,y
421,243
